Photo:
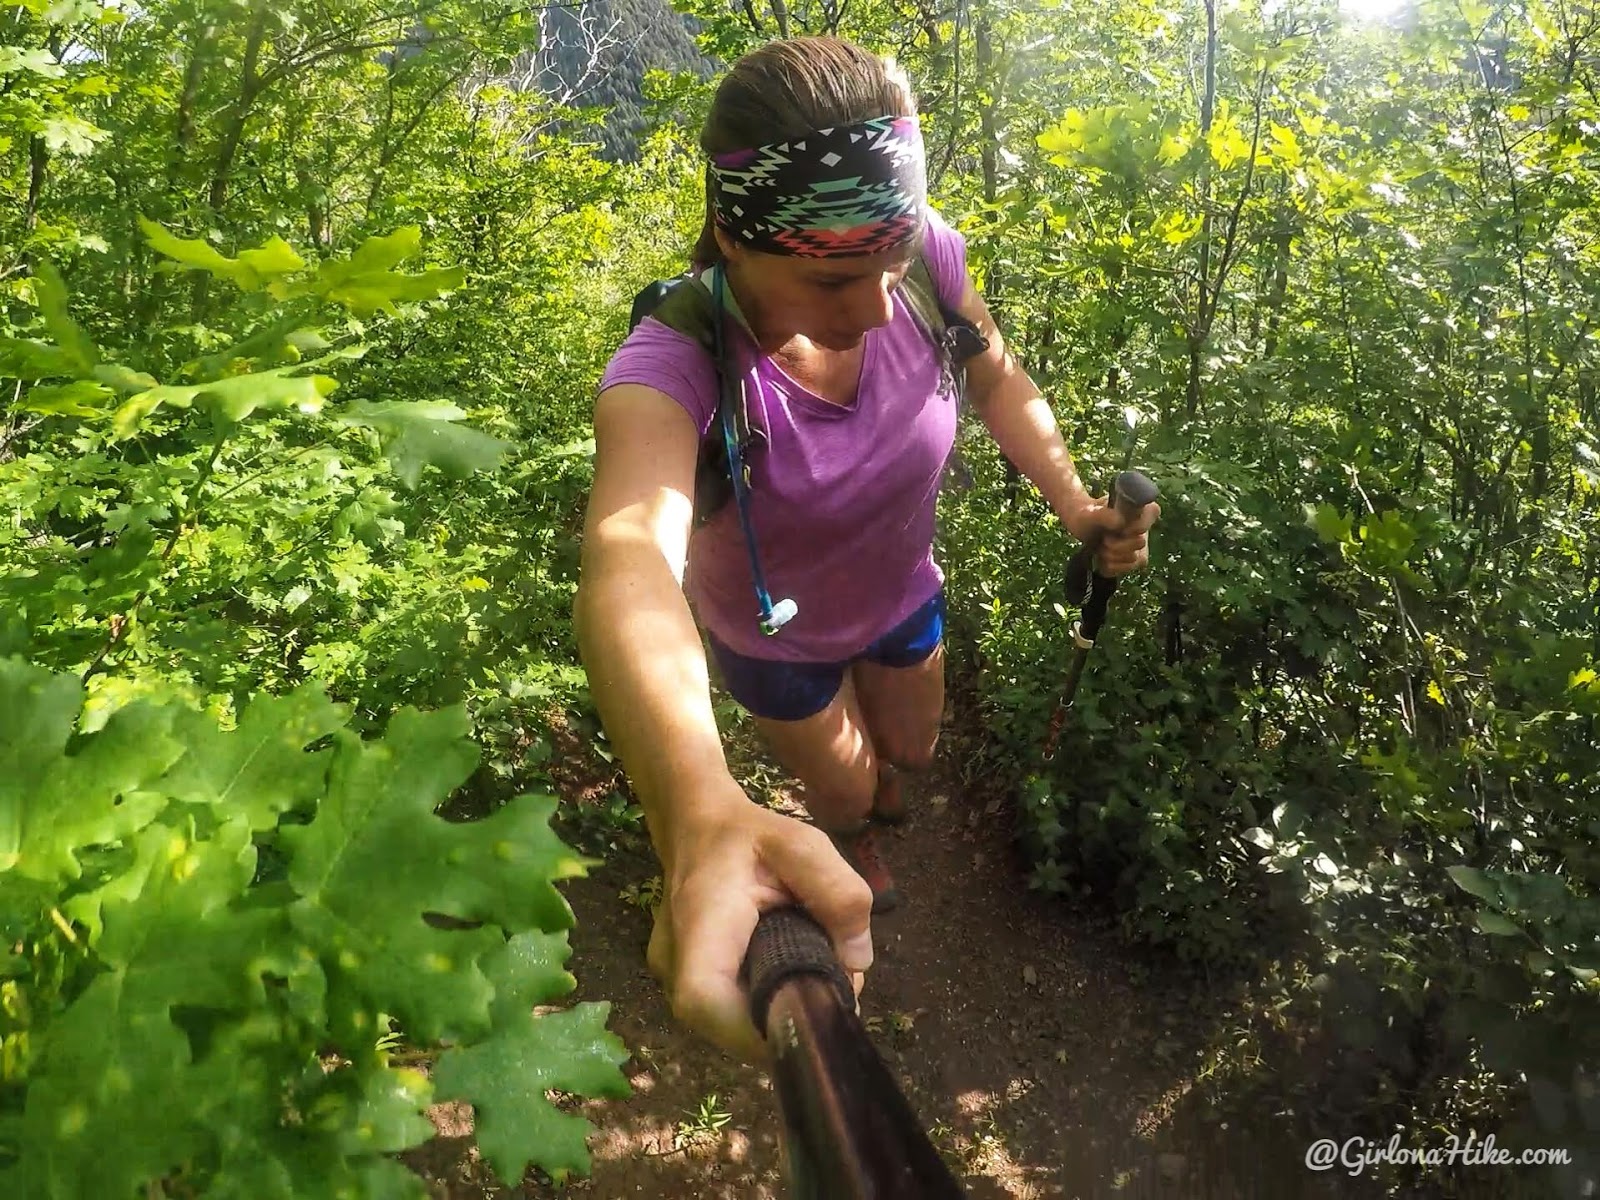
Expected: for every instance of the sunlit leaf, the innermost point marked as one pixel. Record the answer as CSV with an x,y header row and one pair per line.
x,y
232,399
67,134
424,433
80,398
251,271
14,59
80,352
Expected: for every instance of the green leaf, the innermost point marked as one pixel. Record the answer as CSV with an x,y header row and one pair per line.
x,y
376,859
1174,145
391,1113
1065,137
171,939
282,1167
15,59
528,970
251,271
1497,925
1389,537
365,294
1475,882
232,399
272,258
67,134
1284,145
74,343
1227,142
53,804
366,283
1331,525
386,252
1176,227
505,1079
124,379
25,358
422,433
80,398
262,768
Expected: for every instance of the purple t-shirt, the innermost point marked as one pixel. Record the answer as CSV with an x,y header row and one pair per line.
x,y
842,497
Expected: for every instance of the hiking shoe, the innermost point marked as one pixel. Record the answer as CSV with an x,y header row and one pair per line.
x,y
865,856
889,803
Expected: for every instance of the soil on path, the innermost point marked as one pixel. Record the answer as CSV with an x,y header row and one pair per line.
x,y
1046,1058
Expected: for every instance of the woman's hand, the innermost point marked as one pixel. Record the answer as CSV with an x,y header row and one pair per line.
x,y
1124,544
723,866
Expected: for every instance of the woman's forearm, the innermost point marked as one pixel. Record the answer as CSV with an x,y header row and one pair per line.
x,y
649,680
1023,426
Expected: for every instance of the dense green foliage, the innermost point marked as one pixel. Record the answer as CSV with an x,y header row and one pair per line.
x,y
216,930
263,433
1357,700
301,309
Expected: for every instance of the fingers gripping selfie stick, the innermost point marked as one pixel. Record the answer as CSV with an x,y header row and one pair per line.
x,y
848,1131
1086,586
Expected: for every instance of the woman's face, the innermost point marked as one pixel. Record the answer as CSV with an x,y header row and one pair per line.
x,y
834,302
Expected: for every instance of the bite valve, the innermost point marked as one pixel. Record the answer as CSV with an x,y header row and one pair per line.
x,y
782,613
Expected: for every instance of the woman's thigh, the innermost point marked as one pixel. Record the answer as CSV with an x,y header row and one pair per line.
x,y
832,755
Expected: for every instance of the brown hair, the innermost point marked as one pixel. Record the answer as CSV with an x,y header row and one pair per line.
x,y
790,87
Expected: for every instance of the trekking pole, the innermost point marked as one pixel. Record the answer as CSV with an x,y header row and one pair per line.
x,y
849,1132
1085,585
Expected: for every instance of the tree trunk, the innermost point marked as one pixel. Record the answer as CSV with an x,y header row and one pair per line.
x,y
1281,250
375,185
233,135
233,130
989,155
38,165
1208,105
204,37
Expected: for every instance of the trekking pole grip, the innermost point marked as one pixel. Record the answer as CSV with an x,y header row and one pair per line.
x,y
788,942
1130,492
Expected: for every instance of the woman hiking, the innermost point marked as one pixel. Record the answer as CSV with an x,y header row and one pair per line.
x,y
817,232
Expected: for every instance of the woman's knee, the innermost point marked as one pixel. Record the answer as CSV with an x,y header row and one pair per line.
x,y
830,754
912,753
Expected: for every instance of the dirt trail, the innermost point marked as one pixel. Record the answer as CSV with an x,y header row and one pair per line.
x,y
1046,1058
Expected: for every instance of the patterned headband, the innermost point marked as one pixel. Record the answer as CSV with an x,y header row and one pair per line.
x,y
849,190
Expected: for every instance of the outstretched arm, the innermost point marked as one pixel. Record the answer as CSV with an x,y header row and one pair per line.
x,y
724,859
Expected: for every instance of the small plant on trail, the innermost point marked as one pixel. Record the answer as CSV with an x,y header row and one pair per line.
x,y
645,895
704,1126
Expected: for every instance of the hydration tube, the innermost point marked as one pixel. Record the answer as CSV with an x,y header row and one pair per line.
x,y
773,616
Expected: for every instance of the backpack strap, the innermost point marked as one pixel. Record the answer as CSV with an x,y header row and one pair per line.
x,y
680,304
955,340
923,299
684,304
955,337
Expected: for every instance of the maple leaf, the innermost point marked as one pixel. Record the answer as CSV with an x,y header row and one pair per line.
x,y
376,861
505,1076
262,768
174,939
54,804
420,433
339,1145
